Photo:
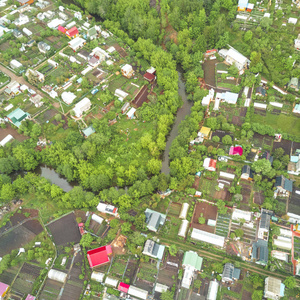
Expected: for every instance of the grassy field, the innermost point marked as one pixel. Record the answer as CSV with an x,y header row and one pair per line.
x,y
288,124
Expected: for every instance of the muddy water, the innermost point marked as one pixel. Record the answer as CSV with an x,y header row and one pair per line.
x,y
54,177
181,113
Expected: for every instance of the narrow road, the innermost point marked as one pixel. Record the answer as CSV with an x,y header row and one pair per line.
x,y
218,257
19,79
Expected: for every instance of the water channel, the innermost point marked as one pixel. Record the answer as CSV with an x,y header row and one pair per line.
x,y
184,110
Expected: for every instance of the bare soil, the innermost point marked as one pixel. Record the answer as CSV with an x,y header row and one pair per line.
x,y
246,295
65,230
208,211
285,145
237,121
246,191
8,130
223,194
141,97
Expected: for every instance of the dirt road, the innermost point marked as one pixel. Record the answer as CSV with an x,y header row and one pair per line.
x,y
19,79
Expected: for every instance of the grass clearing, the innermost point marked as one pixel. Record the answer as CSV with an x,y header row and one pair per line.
x,y
288,124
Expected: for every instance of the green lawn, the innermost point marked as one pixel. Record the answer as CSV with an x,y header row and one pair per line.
x,y
288,124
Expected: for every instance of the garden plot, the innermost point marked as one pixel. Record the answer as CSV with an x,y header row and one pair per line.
x,y
249,233
174,209
118,267
14,132
286,145
8,275
74,285
146,276
51,289
294,203
131,270
19,236
296,248
258,198
207,211
24,282
223,194
171,228
222,226
246,192
65,230
261,140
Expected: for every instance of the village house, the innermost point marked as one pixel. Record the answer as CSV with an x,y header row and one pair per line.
x,y
88,131
43,47
40,76
23,2
260,252
232,56
264,225
82,106
92,33
191,263
13,88
108,209
149,77
260,91
236,150
36,100
230,273
210,164
274,288
17,33
3,290
206,100
99,256
131,113
72,33
127,71
154,250
247,173
17,116
284,186
297,43
228,97
22,20
294,84
154,219
266,155
77,43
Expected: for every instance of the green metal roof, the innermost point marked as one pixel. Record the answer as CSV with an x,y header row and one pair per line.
x,y
17,116
92,31
191,258
88,131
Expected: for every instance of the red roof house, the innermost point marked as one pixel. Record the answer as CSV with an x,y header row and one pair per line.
x,y
238,150
99,256
61,29
210,164
123,287
72,33
149,77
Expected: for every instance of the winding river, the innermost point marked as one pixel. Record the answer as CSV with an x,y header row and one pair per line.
x,y
184,110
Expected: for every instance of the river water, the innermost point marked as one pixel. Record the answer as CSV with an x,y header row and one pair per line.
x,y
184,110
